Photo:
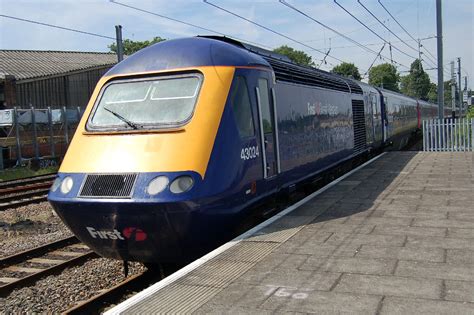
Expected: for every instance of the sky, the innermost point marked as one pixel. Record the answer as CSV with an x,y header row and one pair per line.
x,y
418,17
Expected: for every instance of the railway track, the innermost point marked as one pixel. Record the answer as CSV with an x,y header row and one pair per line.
x,y
27,181
21,192
25,268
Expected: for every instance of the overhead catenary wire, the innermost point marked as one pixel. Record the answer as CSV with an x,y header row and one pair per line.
x,y
372,64
56,26
386,10
335,31
270,30
372,31
385,26
408,33
182,22
363,44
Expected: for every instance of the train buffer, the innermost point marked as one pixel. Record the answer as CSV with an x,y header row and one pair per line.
x,y
394,236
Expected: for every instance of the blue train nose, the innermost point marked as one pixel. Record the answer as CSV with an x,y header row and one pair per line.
x,y
123,231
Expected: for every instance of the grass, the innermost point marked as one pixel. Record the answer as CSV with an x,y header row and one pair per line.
x,y
24,171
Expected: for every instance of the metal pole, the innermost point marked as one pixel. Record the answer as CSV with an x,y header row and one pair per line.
x,y
17,136
79,114
118,35
439,33
453,89
35,132
51,133
66,131
459,88
419,54
472,134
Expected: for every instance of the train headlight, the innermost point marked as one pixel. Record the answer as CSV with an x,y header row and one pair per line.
x,y
56,184
182,184
66,185
157,185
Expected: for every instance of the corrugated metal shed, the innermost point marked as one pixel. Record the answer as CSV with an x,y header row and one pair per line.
x,y
28,64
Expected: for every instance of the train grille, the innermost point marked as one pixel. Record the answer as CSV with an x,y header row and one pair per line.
x,y
108,185
358,116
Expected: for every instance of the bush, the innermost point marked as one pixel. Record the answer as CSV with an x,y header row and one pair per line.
x,y
470,112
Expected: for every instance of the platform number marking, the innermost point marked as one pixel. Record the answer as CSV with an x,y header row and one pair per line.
x,y
249,153
287,292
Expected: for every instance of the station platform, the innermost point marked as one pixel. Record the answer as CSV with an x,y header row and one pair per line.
x,y
395,236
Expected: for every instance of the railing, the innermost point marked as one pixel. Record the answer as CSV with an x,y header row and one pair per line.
x,y
448,135
40,134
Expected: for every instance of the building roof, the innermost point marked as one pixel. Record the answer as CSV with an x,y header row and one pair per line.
x,y
27,64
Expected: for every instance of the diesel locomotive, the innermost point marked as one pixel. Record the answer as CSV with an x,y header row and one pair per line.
x,y
182,139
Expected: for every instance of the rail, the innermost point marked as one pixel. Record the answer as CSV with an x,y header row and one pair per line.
x,y
18,193
21,276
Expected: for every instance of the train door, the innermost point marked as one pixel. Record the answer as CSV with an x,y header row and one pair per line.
x,y
384,108
418,114
376,116
369,119
268,126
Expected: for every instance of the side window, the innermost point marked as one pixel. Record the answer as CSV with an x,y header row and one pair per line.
x,y
373,99
265,103
242,108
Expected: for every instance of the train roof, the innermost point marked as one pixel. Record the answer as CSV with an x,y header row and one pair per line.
x,y
187,52
288,71
224,51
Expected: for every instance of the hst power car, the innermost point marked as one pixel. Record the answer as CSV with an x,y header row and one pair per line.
x,y
185,138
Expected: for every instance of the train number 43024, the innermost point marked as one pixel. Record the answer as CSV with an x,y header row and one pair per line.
x,y
249,153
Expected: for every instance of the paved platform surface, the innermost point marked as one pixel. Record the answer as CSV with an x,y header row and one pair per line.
x,y
395,237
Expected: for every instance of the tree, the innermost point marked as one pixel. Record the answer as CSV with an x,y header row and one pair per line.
x,y
130,46
470,112
447,93
385,76
297,56
348,70
433,93
416,84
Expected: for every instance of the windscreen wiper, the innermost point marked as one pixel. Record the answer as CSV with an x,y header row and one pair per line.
x,y
125,120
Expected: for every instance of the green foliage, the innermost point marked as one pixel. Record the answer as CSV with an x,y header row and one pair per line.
x,y
386,76
433,93
447,93
416,84
470,112
130,46
297,56
348,70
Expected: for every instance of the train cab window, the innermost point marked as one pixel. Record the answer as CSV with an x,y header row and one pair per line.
x,y
146,104
242,108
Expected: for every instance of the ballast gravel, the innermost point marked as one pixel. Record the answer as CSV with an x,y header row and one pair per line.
x,y
58,293
34,225
29,226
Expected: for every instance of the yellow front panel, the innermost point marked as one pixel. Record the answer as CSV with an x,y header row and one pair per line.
x,y
188,149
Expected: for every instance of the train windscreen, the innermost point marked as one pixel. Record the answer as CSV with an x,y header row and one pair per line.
x,y
146,103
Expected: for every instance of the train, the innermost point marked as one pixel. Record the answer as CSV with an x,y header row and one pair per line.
x,y
184,139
